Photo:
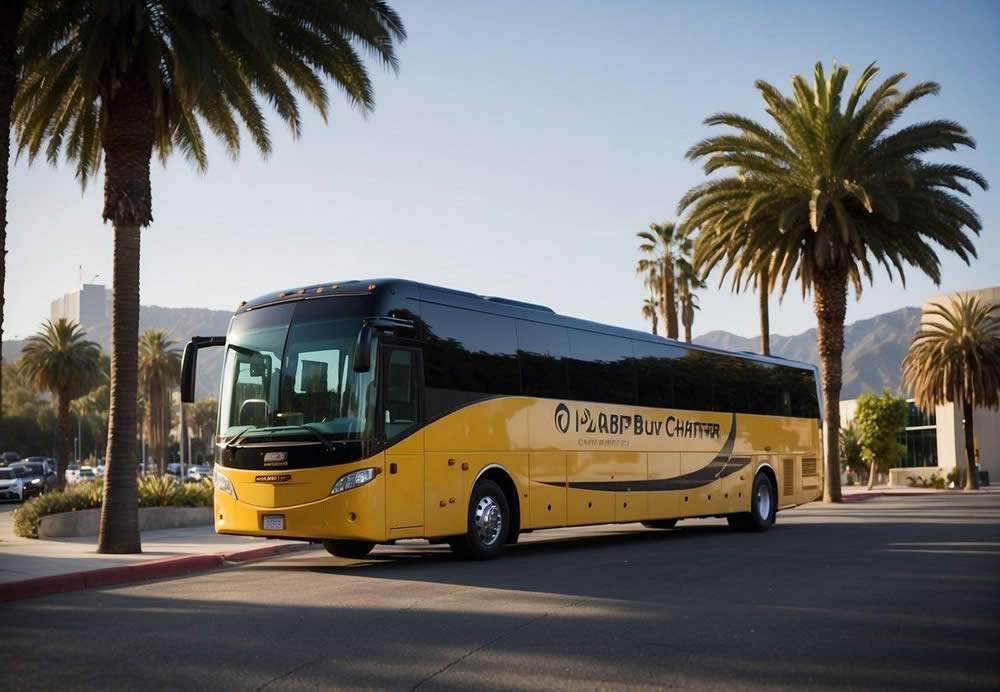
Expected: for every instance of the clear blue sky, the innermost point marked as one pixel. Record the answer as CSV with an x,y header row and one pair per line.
x,y
517,153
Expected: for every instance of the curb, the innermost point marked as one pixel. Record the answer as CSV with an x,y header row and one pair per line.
x,y
154,569
857,497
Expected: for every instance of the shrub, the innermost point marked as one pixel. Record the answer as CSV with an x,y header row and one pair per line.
x,y
935,481
153,492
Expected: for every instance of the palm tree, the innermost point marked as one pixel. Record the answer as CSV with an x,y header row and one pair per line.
x,y
955,357
130,77
649,309
830,194
59,360
11,12
159,372
688,280
662,246
203,420
648,268
725,241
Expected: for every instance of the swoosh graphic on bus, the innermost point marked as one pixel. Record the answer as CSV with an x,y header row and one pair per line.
x,y
724,464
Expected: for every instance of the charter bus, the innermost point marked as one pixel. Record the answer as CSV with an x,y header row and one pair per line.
x,y
363,412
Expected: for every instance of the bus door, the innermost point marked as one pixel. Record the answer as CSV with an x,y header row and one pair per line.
x,y
401,414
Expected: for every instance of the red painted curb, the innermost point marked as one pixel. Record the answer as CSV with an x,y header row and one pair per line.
x,y
154,569
855,497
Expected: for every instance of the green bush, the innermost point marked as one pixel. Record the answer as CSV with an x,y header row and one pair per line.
x,y
956,477
153,492
935,481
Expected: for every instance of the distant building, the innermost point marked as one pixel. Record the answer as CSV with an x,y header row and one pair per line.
x,y
90,305
936,443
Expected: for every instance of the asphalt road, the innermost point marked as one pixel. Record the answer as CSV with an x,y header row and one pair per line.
x,y
899,593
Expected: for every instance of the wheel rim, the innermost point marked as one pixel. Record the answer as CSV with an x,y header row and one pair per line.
x,y
489,520
764,501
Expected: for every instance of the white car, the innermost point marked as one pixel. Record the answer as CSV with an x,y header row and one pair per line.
x,y
11,487
196,473
72,473
86,474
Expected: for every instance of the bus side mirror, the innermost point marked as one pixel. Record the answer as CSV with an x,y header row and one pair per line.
x,y
363,350
189,363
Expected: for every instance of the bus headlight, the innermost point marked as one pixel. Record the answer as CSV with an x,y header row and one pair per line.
x,y
223,484
353,480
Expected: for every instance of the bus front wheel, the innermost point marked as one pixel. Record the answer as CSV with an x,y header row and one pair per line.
x,y
763,506
343,548
488,524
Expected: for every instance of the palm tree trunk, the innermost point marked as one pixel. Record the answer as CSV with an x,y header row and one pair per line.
x,y
670,298
872,468
128,147
971,477
763,281
65,427
11,12
830,305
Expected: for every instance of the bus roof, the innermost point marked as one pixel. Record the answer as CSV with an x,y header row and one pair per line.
x,y
488,304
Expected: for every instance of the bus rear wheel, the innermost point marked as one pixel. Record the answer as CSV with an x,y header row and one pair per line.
x,y
344,548
763,506
660,524
488,524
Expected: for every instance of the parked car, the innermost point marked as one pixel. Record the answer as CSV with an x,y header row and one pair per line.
x,y
73,474
11,485
38,478
87,474
196,473
8,458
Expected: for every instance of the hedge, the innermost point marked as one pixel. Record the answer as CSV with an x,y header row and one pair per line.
x,y
153,492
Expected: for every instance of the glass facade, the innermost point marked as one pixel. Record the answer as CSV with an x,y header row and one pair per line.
x,y
920,438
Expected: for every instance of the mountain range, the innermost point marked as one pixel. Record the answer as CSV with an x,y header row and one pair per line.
x,y
873,348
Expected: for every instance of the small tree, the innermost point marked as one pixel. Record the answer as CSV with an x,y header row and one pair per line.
x,y
880,420
850,449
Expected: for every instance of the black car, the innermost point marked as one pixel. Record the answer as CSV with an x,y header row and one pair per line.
x,y
39,476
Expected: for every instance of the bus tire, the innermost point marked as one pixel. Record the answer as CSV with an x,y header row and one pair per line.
x,y
488,524
763,506
344,548
660,524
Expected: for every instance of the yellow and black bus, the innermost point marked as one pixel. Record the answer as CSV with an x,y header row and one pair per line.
x,y
363,412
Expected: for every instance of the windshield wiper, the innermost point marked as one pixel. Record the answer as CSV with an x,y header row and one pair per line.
x,y
327,444
230,444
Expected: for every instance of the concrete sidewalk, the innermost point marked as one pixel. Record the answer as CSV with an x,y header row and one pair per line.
x,y
162,554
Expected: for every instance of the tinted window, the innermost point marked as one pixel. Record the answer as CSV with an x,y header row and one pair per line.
x,y
601,368
656,370
694,381
469,351
731,379
543,350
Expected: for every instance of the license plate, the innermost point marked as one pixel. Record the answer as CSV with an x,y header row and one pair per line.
x,y
274,522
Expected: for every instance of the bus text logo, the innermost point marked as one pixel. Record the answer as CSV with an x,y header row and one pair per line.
x,y
607,423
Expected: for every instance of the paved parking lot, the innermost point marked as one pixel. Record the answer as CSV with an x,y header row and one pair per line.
x,y
899,592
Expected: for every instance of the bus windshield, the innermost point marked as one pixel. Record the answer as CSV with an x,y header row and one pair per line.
x,y
288,369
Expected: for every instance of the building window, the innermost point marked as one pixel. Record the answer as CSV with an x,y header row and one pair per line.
x,y
921,448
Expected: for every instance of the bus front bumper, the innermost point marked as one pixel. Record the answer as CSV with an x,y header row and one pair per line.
x,y
356,514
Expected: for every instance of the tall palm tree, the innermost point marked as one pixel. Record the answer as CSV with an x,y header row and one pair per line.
x,y
662,245
203,419
130,77
688,280
830,194
11,12
955,357
59,360
648,267
649,309
159,372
